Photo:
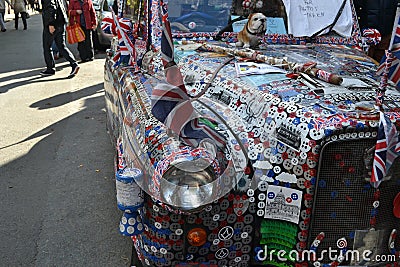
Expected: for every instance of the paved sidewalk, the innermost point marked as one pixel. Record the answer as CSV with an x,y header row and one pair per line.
x,y
57,185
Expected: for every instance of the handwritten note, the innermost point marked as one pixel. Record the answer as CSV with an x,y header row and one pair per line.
x,y
308,9
306,17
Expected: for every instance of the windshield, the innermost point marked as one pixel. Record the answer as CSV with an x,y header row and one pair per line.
x,y
299,18
199,15
102,4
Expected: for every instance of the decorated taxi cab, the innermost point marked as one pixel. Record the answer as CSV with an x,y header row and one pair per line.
x,y
253,133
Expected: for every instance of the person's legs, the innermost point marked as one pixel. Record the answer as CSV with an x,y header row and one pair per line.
x,y
59,37
37,6
82,50
2,24
89,44
85,47
23,16
16,20
48,56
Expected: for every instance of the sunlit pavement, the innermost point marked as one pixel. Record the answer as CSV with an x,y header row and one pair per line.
x,y
57,193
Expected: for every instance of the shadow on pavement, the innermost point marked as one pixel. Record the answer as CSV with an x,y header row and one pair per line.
x,y
35,77
64,186
35,74
57,186
64,98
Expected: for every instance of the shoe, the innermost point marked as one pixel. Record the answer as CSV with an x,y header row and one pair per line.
x,y
25,29
3,30
47,72
74,70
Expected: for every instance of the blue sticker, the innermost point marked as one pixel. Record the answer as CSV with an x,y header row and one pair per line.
x,y
276,25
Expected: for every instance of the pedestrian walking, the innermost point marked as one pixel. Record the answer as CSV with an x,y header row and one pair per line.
x,y
20,8
37,6
54,16
83,13
32,4
380,15
2,14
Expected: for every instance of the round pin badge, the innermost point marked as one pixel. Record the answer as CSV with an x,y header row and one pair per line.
x,y
396,206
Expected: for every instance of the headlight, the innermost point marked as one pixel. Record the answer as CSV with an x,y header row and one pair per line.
x,y
188,184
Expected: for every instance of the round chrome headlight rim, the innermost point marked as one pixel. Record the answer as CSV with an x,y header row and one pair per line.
x,y
189,185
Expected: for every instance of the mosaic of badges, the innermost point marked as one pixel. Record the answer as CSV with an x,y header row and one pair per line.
x,y
131,224
214,235
299,154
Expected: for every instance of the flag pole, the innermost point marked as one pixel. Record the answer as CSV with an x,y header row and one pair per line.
x,y
380,92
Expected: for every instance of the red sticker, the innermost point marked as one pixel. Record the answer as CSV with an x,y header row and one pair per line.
x,y
396,200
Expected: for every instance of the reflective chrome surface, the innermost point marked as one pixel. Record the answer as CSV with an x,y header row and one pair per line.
x,y
188,184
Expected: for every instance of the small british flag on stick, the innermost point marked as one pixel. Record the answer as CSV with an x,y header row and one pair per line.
x,y
387,149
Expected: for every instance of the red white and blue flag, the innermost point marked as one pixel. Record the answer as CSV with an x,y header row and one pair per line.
x,y
107,25
170,101
390,63
395,48
126,53
174,108
387,149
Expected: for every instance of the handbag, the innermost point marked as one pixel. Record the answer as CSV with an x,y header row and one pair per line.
x,y
75,34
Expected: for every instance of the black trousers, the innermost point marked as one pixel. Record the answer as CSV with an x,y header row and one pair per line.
x,y
85,47
2,19
59,37
23,16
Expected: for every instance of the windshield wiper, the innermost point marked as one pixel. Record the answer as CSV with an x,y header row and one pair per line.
x,y
330,26
228,27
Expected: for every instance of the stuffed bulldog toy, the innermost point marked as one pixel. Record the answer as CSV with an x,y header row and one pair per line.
x,y
255,26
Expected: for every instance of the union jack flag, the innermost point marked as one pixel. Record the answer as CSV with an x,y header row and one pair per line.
x,y
387,149
107,25
390,67
395,49
170,101
127,52
173,107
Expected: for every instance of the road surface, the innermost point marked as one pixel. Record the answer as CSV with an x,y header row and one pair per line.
x,y
57,190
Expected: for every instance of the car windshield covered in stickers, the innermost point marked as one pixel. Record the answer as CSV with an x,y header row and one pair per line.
x,y
252,133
